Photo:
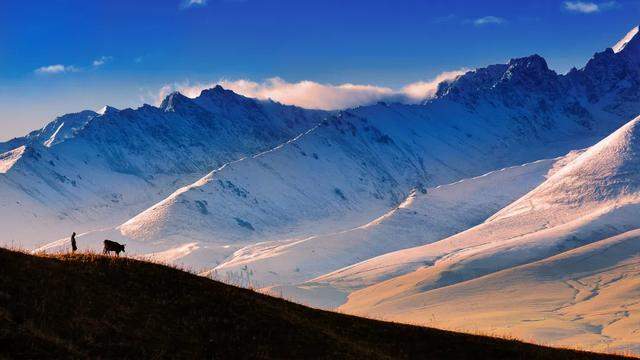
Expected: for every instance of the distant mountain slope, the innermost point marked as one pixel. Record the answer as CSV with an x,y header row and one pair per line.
x,y
348,171
371,158
60,129
359,164
86,171
591,97
99,307
424,217
591,199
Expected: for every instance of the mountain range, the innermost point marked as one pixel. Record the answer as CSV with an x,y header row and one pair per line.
x,y
512,181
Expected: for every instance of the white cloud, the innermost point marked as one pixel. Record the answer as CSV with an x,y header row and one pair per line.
x,y
55,69
586,7
444,19
193,3
313,95
421,90
101,61
162,93
488,20
310,94
61,69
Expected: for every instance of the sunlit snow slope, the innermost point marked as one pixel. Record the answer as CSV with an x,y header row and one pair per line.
x,y
360,164
424,217
590,205
349,168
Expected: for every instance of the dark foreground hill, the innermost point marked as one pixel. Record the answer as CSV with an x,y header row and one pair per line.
x,y
93,306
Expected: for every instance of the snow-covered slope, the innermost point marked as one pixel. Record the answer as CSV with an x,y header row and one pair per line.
x,y
358,165
87,171
593,198
63,127
369,159
424,217
626,40
353,168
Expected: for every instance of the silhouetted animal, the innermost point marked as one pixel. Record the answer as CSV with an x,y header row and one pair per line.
x,y
113,246
74,247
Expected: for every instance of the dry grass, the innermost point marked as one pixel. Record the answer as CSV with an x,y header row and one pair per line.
x,y
94,306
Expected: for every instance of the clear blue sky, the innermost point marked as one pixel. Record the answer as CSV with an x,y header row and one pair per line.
x,y
121,52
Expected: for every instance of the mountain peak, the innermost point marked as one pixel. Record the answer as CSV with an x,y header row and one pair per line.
x,y
217,92
531,72
106,109
217,98
630,38
169,103
63,127
534,62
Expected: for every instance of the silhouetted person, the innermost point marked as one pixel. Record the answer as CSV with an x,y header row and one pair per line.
x,y
74,247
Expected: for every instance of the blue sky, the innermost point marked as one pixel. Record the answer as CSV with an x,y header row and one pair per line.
x,y
60,56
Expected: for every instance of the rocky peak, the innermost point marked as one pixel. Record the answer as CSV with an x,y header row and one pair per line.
x,y
531,70
533,62
173,101
220,94
106,110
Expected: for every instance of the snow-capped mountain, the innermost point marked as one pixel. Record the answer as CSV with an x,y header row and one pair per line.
x,y
88,170
351,169
592,186
583,206
359,164
423,217
487,119
58,130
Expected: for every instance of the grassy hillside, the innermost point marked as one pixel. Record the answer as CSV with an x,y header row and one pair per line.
x,y
94,306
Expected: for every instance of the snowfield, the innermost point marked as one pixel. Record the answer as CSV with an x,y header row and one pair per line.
x,y
422,218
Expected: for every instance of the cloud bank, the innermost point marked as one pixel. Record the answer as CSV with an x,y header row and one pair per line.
x,y
61,69
101,61
193,3
587,7
314,95
488,20
55,69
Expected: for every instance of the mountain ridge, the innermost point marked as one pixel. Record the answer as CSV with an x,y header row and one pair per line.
x,y
124,161
503,107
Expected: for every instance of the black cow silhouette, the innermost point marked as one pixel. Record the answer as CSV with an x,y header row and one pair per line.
x,y
110,246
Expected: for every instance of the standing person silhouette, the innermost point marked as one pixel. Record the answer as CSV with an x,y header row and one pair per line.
x,y
74,247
